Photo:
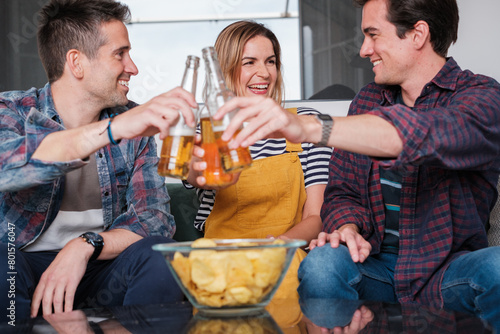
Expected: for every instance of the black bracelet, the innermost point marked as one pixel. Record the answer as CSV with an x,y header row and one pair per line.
x,y
95,327
110,135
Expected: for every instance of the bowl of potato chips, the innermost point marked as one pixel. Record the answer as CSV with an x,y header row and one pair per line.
x,y
229,276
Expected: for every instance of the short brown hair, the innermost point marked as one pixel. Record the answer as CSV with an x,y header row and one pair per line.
x,y
441,16
74,24
230,45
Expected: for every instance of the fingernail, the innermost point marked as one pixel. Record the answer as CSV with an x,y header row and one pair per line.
x,y
232,145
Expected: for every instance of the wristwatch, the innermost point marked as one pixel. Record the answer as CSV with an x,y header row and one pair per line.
x,y
326,128
95,240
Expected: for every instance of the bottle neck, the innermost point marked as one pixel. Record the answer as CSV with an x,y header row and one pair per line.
x,y
216,93
190,76
215,78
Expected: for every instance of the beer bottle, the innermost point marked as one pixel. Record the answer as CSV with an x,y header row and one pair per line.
x,y
177,148
216,94
214,174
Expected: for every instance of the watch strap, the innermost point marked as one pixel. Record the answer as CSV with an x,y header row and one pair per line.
x,y
326,128
95,327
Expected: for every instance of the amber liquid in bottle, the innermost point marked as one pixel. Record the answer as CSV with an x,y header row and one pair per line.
x,y
233,160
177,148
214,174
175,156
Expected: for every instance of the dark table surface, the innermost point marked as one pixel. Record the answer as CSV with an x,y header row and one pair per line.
x,y
284,317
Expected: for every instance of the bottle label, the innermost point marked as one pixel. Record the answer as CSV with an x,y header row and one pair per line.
x,y
181,131
180,128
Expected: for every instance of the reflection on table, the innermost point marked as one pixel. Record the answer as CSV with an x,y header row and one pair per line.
x,y
314,316
377,317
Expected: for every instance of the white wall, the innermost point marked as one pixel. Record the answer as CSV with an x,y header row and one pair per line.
x,y
478,46
331,107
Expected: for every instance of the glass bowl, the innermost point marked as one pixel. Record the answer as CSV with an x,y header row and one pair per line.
x,y
229,276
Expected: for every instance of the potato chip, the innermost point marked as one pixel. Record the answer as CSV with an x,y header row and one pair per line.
x,y
239,270
182,267
201,273
219,268
241,294
203,242
268,265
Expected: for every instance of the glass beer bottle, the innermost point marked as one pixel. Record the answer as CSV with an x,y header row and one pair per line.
x,y
177,148
216,94
214,174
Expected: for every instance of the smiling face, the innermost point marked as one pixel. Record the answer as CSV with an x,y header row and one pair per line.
x,y
391,56
107,75
258,68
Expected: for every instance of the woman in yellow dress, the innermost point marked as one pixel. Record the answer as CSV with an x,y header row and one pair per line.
x,y
281,194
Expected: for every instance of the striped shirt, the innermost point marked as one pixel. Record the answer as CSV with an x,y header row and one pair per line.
x,y
390,182
314,162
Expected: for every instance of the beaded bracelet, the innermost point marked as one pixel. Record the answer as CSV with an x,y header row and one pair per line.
x,y
110,135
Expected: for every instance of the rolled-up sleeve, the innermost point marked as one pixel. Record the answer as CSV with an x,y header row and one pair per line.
x,y
19,138
451,133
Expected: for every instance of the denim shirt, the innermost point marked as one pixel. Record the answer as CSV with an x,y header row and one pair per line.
x,y
133,195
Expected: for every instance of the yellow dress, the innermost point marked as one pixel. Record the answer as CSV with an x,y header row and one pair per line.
x,y
268,199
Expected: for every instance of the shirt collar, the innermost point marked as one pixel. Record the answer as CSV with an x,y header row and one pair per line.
x,y
446,78
46,103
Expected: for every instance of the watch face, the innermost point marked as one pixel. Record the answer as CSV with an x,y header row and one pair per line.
x,y
324,117
93,238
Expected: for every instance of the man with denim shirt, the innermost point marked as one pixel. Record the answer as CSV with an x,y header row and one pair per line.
x,y
81,201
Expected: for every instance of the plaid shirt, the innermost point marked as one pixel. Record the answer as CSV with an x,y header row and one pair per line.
x,y
133,194
450,167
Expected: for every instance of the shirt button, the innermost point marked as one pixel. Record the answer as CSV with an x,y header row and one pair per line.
x,y
100,155
106,193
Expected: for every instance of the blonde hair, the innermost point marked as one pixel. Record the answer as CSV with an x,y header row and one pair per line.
x,y
229,47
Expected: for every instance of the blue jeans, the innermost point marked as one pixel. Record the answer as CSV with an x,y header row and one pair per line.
x,y
138,276
471,283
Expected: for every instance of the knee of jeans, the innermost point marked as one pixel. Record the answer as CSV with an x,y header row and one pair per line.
x,y
491,270
157,239
325,259
144,247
